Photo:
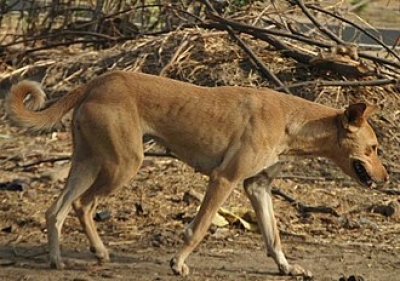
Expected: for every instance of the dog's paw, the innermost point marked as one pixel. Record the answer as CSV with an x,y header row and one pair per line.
x,y
179,268
296,270
101,255
57,264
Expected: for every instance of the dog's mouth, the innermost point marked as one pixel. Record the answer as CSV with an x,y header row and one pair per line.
x,y
362,174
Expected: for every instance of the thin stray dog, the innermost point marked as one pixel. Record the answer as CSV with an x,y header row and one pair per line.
x,y
234,135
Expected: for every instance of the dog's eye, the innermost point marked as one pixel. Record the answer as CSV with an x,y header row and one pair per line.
x,y
371,149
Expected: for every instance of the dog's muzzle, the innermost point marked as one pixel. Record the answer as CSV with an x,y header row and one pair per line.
x,y
362,174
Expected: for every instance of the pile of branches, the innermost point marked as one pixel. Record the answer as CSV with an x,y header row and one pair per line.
x,y
291,28
290,46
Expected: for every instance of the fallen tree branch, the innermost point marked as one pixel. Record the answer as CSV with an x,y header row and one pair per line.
x,y
322,83
377,40
68,158
245,28
391,191
49,160
323,29
304,208
302,57
262,34
263,68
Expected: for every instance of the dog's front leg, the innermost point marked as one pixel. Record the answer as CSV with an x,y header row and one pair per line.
x,y
259,191
218,191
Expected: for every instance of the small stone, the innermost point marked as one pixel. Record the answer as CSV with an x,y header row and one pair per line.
x,y
5,262
384,210
30,194
102,215
7,229
355,278
15,185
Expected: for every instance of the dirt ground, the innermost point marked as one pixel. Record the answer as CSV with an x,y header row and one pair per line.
x,y
145,219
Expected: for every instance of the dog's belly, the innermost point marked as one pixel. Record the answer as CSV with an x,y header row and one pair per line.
x,y
202,159
201,163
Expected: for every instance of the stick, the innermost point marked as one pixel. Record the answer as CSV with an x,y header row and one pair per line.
x,y
254,58
38,162
304,208
68,158
262,34
323,83
387,48
324,30
391,191
245,28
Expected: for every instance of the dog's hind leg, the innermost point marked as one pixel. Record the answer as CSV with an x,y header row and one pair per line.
x,y
84,209
258,189
85,206
77,184
107,153
84,202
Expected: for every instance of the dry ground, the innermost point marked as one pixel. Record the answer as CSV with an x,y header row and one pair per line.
x,y
149,215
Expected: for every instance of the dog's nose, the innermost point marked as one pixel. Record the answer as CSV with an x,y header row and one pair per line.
x,y
385,175
386,178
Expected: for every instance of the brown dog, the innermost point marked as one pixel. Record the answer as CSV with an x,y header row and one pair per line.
x,y
234,135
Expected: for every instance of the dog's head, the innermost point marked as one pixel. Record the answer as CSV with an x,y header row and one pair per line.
x,y
357,153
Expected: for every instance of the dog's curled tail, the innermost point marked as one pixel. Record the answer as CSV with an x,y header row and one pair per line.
x,y
25,100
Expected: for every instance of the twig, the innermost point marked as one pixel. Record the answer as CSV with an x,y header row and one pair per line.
x,y
390,191
38,162
124,242
159,154
51,46
245,28
387,48
304,208
287,51
358,5
322,83
176,55
300,177
254,58
324,30
261,33
26,68
68,158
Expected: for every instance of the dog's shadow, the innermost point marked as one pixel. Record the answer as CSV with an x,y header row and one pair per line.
x,y
36,258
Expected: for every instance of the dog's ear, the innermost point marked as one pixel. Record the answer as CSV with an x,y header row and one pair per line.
x,y
356,114
370,110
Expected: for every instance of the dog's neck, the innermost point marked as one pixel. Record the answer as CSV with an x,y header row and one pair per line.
x,y
313,133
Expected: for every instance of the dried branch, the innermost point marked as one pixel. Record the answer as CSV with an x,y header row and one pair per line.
x,y
302,208
245,28
261,33
321,83
287,51
263,68
68,158
391,191
377,40
323,29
